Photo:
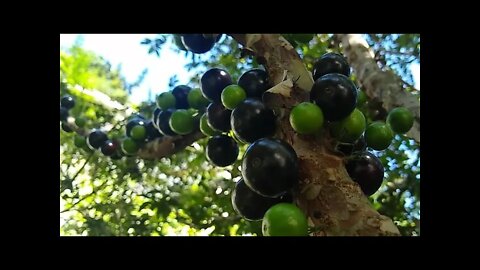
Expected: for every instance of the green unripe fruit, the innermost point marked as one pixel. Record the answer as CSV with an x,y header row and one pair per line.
x,y
232,95
181,122
196,100
349,129
166,100
129,146
284,219
138,133
378,135
400,120
306,118
80,141
361,98
80,122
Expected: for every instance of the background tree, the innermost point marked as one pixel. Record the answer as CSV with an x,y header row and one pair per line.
x,y
182,193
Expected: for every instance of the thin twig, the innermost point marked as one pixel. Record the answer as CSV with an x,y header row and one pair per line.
x,y
80,200
83,166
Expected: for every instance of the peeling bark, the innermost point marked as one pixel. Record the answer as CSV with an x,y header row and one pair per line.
x,y
383,86
333,203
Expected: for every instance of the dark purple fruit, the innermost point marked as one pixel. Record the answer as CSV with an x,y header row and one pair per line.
x,y
135,121
109,148
216,36
197,43
335,94
249,204
348,148
180,92
270,167
222,150
163,123
63,113
330,63
367,170
155,115
213,82
254,82
66,127
252,120
152,131
218,117
67,102
96,139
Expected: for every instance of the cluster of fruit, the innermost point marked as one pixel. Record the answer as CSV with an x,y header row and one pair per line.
x,y
231,113
269,166
333,100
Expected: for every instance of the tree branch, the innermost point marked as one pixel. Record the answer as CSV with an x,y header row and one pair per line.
x,y
167,146
378,84
84,197
83,166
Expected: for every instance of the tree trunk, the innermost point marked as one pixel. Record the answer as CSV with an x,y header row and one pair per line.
x,y
333,203
383,86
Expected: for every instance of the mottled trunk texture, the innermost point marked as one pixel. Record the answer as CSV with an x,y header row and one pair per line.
x,y
334,204
380,85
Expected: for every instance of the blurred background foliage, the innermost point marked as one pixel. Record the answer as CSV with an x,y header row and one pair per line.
x,y
184,194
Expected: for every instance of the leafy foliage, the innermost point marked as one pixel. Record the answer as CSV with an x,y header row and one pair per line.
x,y
184,194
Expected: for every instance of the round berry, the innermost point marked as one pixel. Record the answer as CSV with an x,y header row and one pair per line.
x,y
222,150
205,128
180,92
378,135
351,128
400,120
254,82
181,122
335,94
67,102
252,120
213,82
166,100
270,167
232,95
284,219
197,43
218,117
306,118
196,100
250,205
367,170
330,63
96,139
63,113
